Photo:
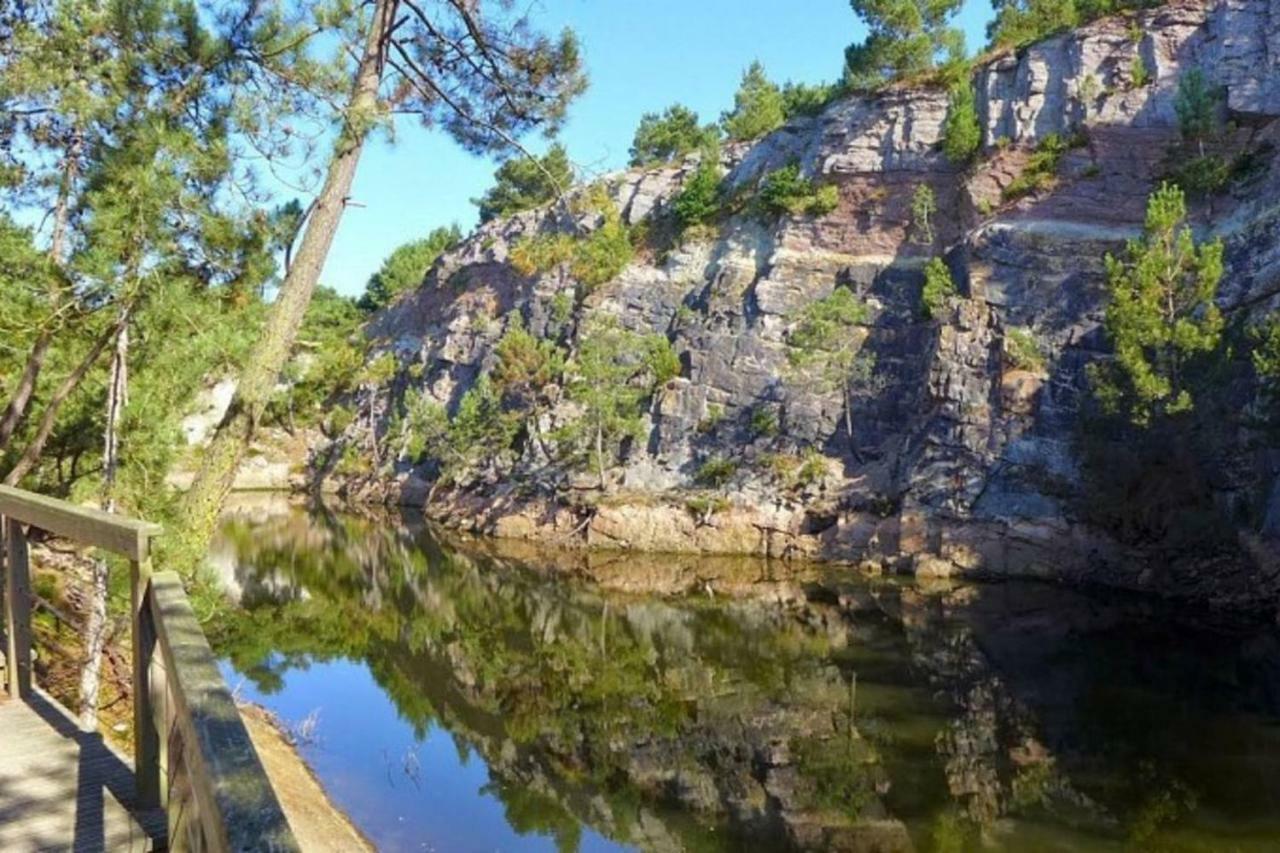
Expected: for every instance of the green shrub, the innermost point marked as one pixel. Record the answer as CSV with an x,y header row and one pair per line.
x,y
670,136
603,254
1023,350
938,288
715,414
1041,172
786,191
699,202
813,468
541,252
764,422
1203,176
716,472
523,183
1139,73
924,204
802,99
961,133
703,507
339,419
593,260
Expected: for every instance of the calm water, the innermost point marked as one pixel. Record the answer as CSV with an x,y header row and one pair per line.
x,y
454,699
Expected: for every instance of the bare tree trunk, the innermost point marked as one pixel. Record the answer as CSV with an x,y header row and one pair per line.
x,y
203,501
15,412
68,386
604,486
96,623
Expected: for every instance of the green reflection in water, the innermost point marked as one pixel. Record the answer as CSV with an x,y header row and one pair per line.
x,y
824,713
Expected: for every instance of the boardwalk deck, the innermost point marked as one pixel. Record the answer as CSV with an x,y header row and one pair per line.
x,y
64,789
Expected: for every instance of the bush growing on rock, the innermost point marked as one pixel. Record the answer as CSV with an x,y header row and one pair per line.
x,y
764,422
803,99
924,204
593,259
1021,22
1161,315
787,191
1041,172
611,378
699,200
1022,349
522,184
670,136
406,267
961,132
939,287
825,346
541,252
716,472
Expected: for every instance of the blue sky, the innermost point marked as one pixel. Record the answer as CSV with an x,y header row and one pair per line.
x,y
642,55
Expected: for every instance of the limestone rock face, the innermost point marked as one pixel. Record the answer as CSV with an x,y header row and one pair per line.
x,y
957,455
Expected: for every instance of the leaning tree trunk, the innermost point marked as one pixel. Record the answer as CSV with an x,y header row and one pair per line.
x,y
72,381
203,501
95,638
16,411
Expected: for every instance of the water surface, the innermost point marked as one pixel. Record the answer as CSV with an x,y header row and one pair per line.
x,y
464,697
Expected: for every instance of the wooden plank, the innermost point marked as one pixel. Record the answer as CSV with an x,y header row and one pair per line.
x,y
17,601
65,789
233,800
116,533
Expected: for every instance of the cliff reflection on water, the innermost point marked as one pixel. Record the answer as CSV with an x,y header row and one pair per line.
x,y
474,697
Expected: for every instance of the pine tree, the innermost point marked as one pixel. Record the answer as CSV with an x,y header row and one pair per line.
x,y
523,183
961,130
906,37
1197,107
826,347
404,268
484,77
758,106
1020,22
1161,315
670,136
611,377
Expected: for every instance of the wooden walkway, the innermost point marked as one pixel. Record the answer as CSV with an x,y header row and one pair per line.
x,y
64,789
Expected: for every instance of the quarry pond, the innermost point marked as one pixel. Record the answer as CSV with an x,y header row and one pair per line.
x,y
461,695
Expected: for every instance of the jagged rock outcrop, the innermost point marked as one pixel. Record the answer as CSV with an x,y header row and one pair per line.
x,y
962,461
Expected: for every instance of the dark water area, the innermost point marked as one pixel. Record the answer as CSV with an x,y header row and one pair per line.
x,y
468,697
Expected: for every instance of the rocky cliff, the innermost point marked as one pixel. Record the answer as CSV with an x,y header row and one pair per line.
x,y
962,458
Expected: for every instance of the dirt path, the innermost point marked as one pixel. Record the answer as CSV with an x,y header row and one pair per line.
x,y
317,823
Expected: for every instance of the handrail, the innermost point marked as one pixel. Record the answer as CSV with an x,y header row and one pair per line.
x,y
93,527
213,785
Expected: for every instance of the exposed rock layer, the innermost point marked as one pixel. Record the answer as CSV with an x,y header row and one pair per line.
x,y
963,462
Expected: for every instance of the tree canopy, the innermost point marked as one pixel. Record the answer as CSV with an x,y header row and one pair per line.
x,y
905,38
670,136
758,106
523,183
404,269
1161,315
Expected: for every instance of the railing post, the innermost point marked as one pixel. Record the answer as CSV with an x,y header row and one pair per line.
x,y
17,603
146,738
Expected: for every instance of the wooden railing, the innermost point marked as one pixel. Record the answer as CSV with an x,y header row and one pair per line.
x,y
192,754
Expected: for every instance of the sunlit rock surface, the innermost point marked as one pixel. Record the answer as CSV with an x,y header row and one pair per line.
x,y
962,462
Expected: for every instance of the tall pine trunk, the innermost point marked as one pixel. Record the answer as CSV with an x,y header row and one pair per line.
x,y
203,501
95,638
